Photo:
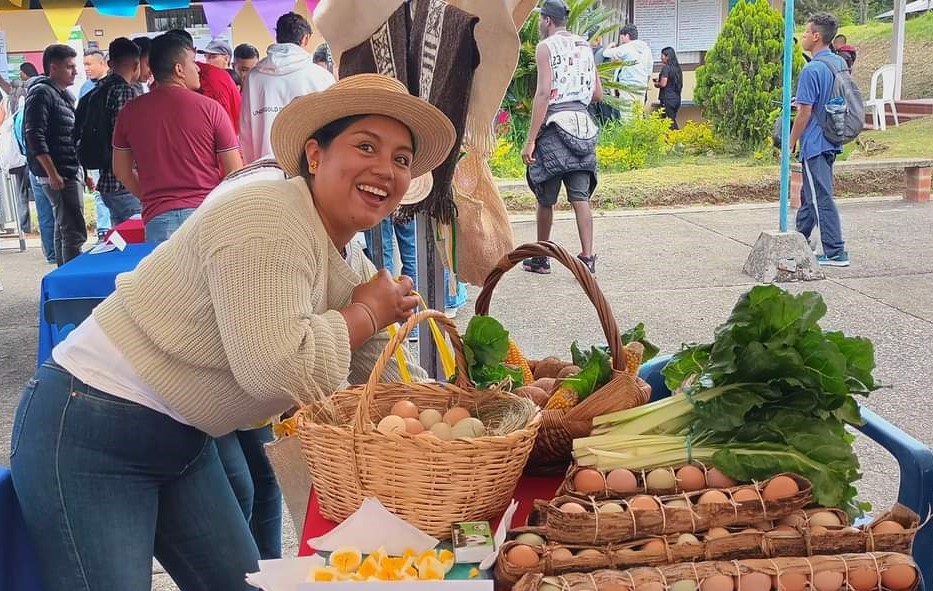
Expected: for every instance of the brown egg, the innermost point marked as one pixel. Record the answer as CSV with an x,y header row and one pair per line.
x,y
413,426
784,529
824,518
818,530
561,554
750,530
716,479
589,481
828,580
716,533
713,497
684,585
405,409
717,583
572,507
863,579
687,539
899,577
655,547
622,481
455,415
590,552
522,556
790,582
745,494
755,582
887,527
613,587
781,487
681,503
643,503
690,478
652,586
795,520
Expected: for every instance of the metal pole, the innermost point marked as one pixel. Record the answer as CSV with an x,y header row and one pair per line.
x,y
785,112
432,288
897,45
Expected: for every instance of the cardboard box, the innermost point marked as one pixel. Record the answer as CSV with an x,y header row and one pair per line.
x,y
472,541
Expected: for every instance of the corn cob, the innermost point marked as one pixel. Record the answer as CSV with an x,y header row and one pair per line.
x,y
515,358
562,398
634,352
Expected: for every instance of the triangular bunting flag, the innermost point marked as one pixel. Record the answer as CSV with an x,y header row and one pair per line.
x,y
169,4
124,8
9,5
220,14
62,16
312,4
270,11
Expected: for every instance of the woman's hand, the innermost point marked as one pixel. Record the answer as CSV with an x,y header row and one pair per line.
x,y
389,300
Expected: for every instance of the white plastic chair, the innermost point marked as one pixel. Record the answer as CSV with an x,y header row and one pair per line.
x,y
876,103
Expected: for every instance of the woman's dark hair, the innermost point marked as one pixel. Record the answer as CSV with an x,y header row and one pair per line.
x,y
28,69
677,78
326,135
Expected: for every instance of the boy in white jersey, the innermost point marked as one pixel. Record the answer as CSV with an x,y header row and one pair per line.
x,y
561,145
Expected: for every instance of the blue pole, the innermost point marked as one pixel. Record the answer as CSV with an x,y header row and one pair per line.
x,y
785,112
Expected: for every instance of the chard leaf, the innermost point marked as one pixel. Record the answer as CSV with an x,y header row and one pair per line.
x,y
596,371
685,365
487,376
859,354
726,411
486,342
637,333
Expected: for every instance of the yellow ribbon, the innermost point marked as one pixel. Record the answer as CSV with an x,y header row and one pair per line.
x,y
443,349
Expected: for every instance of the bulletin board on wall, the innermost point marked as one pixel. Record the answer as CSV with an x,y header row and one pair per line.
x,y
689,26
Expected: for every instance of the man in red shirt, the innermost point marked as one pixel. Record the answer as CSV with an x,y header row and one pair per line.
x,y
180,142
216,81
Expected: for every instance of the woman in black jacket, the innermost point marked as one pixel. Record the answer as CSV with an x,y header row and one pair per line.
x,y
671,83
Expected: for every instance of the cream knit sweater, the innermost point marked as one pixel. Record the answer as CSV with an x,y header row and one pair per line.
x,y
236,318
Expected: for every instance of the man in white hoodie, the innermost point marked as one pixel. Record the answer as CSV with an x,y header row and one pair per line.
x,y
286,73
638,62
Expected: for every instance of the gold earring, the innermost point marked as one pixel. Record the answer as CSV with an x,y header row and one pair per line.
x,y
313,165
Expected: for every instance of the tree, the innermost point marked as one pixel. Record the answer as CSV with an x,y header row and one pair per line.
x,y
739,85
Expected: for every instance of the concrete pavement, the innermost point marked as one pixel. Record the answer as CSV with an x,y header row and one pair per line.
x,y
679,272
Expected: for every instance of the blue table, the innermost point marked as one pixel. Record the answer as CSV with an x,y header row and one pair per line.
x,y
87,276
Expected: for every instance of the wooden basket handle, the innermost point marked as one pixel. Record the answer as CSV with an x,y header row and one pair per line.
x,y
580,272
363,422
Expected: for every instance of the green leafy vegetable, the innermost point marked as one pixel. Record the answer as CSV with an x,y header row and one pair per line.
x,y
637,333
595,370
772,393
486,344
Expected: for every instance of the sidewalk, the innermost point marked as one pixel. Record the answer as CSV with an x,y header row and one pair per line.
x,y
679,272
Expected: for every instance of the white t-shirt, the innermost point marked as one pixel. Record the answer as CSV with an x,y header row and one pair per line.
x,y
636,51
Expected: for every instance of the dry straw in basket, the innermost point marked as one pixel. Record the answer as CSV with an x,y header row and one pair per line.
x,y
426,481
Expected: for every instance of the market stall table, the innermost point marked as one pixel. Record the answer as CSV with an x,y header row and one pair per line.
x,y
87,276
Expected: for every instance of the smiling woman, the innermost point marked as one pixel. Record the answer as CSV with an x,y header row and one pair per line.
x,y
258,303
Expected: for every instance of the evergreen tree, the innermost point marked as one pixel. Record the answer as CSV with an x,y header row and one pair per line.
x,y
739,85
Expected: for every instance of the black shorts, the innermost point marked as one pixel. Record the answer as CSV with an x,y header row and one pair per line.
x,y
577,184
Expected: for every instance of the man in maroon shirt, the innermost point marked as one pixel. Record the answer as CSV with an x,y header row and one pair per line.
x,y
180,142
216,82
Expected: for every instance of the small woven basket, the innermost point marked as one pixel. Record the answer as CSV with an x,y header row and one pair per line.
x,y
552,451
429,483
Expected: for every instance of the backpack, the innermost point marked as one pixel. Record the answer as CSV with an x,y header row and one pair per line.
x,y
92,132
844,116
18,130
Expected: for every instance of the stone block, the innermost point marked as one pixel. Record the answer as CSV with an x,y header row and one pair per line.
x,y
796,186
781,257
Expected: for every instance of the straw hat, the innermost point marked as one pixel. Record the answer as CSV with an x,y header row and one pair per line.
x,y
363,94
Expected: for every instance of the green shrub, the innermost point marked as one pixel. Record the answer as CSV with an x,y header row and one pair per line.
x,y
741,81
640,142
506,160
695,138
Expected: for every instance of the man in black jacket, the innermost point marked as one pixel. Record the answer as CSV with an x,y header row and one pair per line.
x,y
48,122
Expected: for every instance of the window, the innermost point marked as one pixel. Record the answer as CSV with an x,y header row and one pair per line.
x,y
179,18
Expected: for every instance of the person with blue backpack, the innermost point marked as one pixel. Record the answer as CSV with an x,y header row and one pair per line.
x,y
827,117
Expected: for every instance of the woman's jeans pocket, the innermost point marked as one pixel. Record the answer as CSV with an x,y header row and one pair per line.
x,y
22,410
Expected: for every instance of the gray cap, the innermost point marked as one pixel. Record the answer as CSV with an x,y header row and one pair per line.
x,y
218,47
554,8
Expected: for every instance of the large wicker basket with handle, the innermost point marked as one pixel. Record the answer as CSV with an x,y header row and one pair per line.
x,y
430,483
552,451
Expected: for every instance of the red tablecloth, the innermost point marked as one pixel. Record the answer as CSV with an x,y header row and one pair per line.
x,y
529,489
133,231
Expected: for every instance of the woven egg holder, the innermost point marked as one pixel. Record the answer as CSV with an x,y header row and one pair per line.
x,y
428,482
596,528
641,476
666,576
738,545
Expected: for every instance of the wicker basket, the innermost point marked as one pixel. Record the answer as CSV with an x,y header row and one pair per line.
x,y
664,576
552,451
430,483
738,545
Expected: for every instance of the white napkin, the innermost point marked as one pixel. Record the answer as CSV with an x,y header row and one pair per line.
x,y
499,537
284,574
373,527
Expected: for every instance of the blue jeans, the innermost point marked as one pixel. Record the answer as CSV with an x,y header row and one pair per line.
x,y
405,234
122,205
817,207
253,481
46,218
105,484
68,208
161,227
